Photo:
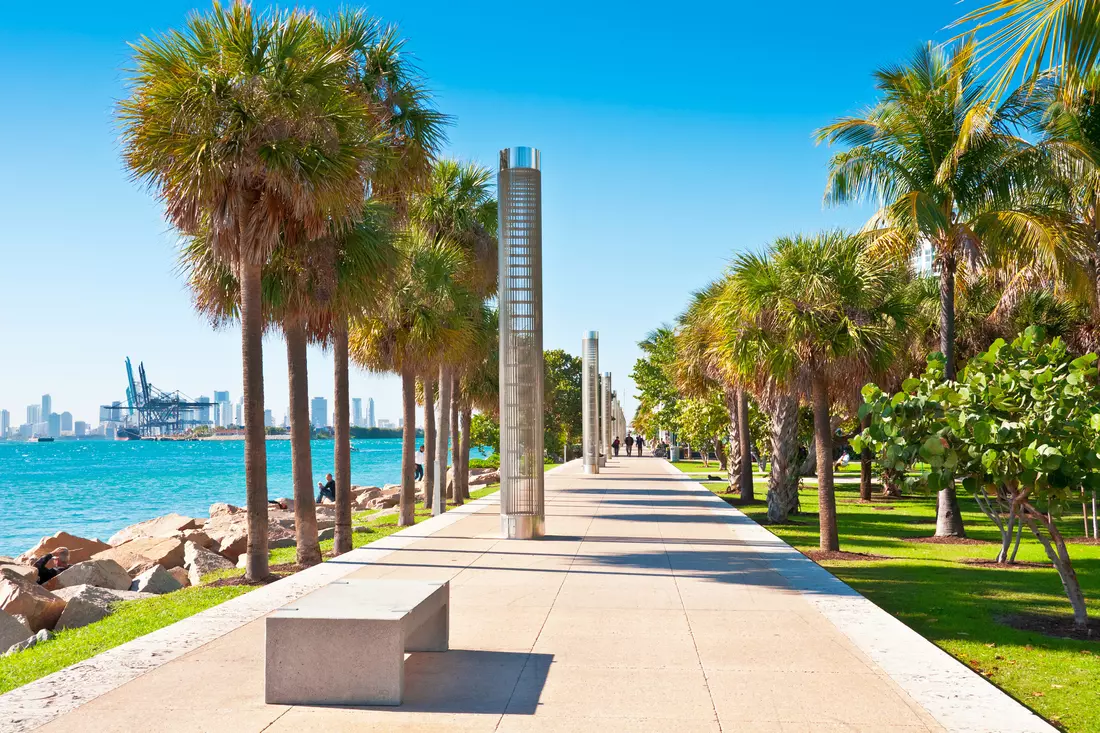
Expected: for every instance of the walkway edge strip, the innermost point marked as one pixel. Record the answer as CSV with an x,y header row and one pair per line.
x,y
37,703
958,698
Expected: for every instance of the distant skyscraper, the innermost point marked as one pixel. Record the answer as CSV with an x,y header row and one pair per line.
x,y
47,406
80,428
356,411
240,414
34,414
53,425
269,419
66,422
5,423
319,409
370,413
223,409
204,412
400,422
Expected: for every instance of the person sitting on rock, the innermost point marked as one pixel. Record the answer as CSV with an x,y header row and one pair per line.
x,y
328,489
52,564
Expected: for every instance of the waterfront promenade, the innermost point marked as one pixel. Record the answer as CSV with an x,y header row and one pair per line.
x,y
651,606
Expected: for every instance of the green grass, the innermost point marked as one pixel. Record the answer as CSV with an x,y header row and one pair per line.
x,y
137,618
957,606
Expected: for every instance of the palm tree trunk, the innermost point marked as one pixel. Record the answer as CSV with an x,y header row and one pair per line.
x,y
823,434
745,446
301,458
429,442
457,490
865,466
464,451
720,453
255,439
947,312
735,459
442,437
784,478
408,448
341,423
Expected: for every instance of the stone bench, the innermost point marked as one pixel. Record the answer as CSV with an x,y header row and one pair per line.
x,y
345,643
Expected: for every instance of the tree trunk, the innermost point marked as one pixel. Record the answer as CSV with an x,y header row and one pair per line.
x,y
949,521
745,446
442,440
1059,556
341,424
720,453
408,449
947,312
865,466
301,457
783,480
464,451
255,439
808,467
429,442
735,459
457,490
823,435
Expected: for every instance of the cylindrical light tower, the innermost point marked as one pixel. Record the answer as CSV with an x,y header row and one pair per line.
x,y
590,406
519,190
607,415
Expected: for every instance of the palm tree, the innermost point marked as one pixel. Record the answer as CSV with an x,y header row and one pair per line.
x,y
477,387
948,171
243,125
421,317
811,307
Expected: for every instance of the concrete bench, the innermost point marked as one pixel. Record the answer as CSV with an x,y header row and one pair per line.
x,y
345,644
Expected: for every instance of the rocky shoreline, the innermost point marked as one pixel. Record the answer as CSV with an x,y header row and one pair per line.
x,y
157,556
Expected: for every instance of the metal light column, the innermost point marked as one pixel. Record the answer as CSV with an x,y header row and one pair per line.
x,y
607,417
590,406
522,498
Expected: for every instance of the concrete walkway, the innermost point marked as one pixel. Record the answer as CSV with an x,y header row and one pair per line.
x,y
652,606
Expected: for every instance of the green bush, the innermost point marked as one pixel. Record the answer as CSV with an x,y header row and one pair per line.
x,y
492,461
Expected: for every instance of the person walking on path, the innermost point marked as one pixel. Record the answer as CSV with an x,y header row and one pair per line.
x,y
327,489
640,441
629,445
420,458
615,446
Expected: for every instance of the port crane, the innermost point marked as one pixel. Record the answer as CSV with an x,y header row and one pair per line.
x,y
151,412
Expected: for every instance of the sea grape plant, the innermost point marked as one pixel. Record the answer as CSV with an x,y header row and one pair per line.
x,y
1020,429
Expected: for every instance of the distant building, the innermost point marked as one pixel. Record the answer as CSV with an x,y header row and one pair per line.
x,y
223,409
80,428
400,422
286,421
923,259
370,413
66,422
5,423
357,412
240,414
26,430
53,425
34,414
319,412
385,424
269,419
204,415
47,406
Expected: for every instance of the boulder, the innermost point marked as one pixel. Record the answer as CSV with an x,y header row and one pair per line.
x,y
484,479
103,573
155,580
280,537
328,534
199,537
27,571
159,527
166,551
80,548
221,509
19,595
200,562
12,631
229,536
180,574
43,635
87,604
370,492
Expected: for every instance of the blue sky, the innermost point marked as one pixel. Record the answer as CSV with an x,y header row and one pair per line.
x,y
673,136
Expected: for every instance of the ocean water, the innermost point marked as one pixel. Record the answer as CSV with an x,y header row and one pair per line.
x,y
95,488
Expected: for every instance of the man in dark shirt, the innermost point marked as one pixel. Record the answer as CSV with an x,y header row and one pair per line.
x,y
328,489
52,564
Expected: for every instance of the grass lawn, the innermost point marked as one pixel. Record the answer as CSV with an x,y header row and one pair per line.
x,y
137,618
958,606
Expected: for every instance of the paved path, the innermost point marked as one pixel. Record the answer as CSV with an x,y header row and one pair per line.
x,y
651,606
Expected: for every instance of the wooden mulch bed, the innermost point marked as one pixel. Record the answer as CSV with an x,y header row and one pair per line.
x,y
1018,565
819,555
947,541
1059,626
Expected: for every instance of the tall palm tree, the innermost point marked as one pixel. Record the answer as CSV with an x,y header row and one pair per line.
x,y
478,387
812,306
243,124
422,316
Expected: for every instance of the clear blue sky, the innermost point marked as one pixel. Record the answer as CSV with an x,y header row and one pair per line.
x,y
673,136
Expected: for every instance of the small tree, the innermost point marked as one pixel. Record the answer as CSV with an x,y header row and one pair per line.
x,y
484,432
702,422
1021,429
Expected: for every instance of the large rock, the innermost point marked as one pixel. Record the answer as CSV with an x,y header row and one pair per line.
x,y
88,604
229,535
43,635
27,571
284,503
221,509
200,562
104,573
483,479
166,551
12,631
80,548
160,527
368,491
155,580
19,595
180,574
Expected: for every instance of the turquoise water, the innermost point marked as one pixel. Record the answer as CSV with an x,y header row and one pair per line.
x,y
95,488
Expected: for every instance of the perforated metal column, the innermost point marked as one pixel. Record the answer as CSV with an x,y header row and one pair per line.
x,y
590,406
519,188
607,415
